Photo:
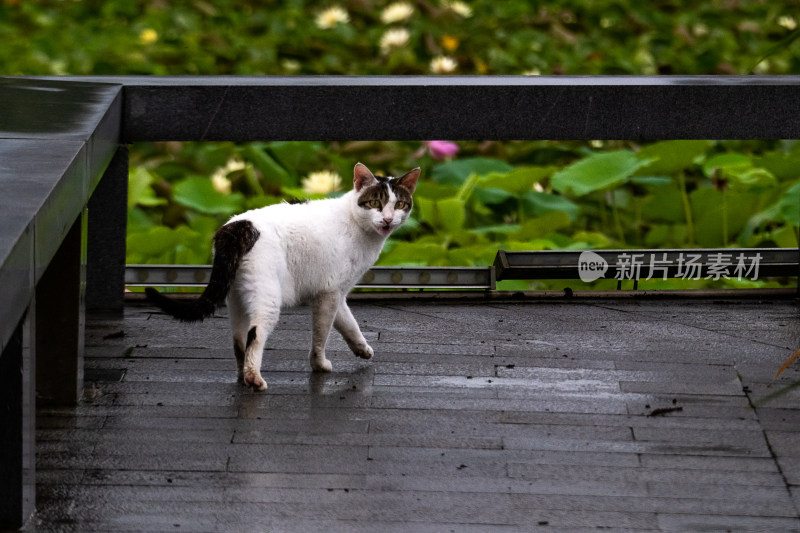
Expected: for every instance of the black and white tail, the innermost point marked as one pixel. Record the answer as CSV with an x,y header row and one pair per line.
x,y
231,242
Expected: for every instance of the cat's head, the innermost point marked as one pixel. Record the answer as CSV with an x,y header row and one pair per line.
x,y
383,203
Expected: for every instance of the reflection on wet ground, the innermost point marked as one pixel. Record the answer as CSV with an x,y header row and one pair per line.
x,y
637,415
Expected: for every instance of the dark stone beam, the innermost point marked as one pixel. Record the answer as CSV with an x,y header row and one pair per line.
x,y
233,108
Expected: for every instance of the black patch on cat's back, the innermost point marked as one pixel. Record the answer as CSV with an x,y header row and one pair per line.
x,y
231,242
235,239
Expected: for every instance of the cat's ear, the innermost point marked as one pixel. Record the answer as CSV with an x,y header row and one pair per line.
x,y
409,180
362,177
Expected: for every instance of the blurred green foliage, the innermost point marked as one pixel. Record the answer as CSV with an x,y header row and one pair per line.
x,y
489,195
489,37
496,195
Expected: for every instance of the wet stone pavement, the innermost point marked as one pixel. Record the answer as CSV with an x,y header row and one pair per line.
x,y
534,416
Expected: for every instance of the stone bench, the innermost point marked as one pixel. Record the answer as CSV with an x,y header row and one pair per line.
x,y
56,141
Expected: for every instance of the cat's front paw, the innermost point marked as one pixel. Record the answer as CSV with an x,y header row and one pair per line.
x,y
254,380
364,351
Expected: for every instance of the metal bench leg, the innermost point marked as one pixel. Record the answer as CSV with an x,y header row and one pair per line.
x,y
108,219
17,427
60,321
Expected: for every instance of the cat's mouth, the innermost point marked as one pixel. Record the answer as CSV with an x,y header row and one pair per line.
x,y
384,228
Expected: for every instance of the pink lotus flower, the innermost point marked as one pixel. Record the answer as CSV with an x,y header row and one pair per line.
x,y
441,149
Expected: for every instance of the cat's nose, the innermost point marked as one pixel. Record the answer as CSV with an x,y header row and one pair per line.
x,y
387,220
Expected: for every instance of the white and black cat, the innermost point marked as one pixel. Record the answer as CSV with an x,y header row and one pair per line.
x,y
287,254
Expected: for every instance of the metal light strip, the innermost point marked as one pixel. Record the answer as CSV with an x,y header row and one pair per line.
x,y
566,264
376,277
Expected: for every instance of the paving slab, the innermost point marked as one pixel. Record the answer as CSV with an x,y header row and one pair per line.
x,y
627,415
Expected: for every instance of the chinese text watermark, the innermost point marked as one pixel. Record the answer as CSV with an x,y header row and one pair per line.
x,y
662,265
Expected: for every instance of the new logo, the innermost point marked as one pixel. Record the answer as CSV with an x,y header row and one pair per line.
x,y
591,266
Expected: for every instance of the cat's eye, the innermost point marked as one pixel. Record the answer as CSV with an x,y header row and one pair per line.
x,y
401,205
374,204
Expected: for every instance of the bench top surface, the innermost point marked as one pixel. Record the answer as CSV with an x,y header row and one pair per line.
x,y
30,171
52,109
44,130
55,139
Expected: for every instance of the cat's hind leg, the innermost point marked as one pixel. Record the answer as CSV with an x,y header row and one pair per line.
x,y
239,328
253,352
250,333
346,324
238,351
256,338
323,313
